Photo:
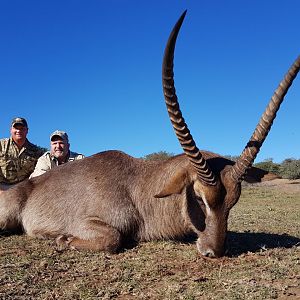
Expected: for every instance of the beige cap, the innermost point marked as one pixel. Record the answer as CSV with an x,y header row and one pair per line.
x,y
63,135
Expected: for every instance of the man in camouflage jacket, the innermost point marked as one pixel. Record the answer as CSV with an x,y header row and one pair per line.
x,y
18,156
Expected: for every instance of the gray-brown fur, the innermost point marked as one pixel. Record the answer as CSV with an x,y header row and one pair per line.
x,y
109,192
110,186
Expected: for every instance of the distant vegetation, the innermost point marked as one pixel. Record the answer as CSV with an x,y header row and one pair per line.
x,y
289,168
43,148
161,155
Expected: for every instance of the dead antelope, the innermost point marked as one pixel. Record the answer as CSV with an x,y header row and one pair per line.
x,y
110,198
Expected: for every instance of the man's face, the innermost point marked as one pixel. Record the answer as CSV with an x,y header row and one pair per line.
x,y
59,148
18,132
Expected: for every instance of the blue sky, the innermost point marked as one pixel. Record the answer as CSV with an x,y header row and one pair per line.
x,y
93,69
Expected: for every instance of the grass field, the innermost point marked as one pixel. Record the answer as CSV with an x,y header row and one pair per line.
x,y
263,261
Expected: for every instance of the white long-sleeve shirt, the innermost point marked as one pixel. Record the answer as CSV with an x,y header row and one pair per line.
x,y
48,161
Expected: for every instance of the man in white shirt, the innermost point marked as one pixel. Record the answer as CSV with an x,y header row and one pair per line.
x,y
59,154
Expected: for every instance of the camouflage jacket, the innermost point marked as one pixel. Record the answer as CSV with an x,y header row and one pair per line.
x,y
48,161
16,165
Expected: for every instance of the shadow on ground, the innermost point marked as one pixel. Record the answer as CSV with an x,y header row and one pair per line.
x,y
243,242
237,242
6,233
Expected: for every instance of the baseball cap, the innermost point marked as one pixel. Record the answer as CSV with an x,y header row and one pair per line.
x,y
19,121
63,135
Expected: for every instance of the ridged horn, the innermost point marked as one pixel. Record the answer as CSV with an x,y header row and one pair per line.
x,y
262,129
182,132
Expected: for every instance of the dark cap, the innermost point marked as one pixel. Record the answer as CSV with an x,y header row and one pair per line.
x,y
19,121
63,135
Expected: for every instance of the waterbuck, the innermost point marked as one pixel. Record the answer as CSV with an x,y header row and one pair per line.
x,y
110,198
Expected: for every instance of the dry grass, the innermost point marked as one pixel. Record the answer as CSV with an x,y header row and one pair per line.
x,y
263,261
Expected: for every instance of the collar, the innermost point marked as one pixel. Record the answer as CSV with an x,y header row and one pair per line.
x,y
24,146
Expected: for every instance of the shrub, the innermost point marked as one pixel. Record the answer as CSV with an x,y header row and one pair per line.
x,y
43,148
290,168
161,155
269,166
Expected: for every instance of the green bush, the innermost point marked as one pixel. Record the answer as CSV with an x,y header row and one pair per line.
x,y
269,166
290,168
43,148
161,155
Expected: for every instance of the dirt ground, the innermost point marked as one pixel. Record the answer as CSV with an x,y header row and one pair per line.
x,y
285,185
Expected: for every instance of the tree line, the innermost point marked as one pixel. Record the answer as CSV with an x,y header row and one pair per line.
x,y
288,168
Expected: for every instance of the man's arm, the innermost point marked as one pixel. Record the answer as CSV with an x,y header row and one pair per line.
x,y
43,165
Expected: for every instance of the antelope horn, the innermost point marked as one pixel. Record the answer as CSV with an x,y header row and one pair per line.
x,y
262,129
182,132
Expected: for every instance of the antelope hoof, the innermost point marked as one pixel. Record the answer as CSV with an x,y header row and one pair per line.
x,y
63,242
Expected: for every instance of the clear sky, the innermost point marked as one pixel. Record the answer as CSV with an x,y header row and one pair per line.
x,y
93,69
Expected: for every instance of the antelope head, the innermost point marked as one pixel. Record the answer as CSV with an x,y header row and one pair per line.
x,y
215,190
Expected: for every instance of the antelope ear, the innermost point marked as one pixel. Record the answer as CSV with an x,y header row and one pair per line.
x,y
175,184
257,175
